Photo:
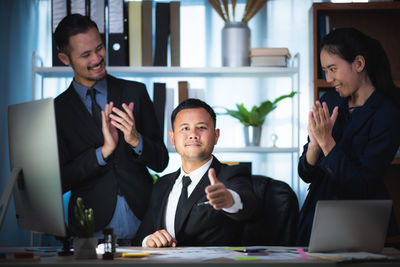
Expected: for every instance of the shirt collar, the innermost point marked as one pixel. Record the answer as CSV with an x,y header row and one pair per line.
x,y
197,174
100,86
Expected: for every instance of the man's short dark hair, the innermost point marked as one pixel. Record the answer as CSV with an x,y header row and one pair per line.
x,y
69,26
193,103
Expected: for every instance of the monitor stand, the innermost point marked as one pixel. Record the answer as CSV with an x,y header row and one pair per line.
x,y
66,249
15,175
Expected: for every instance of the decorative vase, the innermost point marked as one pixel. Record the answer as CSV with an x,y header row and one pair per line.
x,y
85,248
252,135
235,44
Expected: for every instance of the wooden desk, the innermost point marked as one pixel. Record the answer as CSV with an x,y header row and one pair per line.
x,y
68,261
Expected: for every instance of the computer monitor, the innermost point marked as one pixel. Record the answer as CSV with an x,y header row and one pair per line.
x,y
35,179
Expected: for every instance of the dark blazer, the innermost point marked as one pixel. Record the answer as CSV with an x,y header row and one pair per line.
x,y
202,226
366,142
78,137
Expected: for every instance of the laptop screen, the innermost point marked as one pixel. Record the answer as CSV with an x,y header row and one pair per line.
x,y
350,225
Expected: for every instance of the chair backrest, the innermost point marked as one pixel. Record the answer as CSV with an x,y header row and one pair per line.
x,y
392,182
278,211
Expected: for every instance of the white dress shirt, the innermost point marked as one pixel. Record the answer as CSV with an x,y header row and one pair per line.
x,y
175,193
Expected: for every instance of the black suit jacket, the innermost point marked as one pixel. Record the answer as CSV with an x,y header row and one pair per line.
x,y
78,138
203,226
366,142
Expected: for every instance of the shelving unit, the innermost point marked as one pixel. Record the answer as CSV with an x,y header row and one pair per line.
x,y
39,73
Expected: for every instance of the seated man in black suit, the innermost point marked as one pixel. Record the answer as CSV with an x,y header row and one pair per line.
x,y
204,203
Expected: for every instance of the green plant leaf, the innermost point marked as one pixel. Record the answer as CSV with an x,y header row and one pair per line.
x,y
283,97
256,116
265,108
84,226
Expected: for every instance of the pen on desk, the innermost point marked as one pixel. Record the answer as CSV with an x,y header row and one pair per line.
x,y
203,203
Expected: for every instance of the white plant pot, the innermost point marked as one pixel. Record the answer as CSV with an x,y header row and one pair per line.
x,y
85,248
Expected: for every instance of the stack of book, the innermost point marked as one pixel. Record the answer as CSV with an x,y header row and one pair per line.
x,y
130,31
269,57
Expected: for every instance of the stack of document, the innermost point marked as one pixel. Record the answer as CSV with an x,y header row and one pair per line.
x,y
269,57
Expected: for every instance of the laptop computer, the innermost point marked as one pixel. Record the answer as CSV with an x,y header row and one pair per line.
x,y
350,225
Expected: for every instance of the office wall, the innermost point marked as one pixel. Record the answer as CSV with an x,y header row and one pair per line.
x,y
18,40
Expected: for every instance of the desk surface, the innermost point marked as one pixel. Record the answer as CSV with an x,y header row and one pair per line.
x,y
204,256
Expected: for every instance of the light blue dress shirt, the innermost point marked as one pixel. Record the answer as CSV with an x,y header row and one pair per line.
x,y
124,222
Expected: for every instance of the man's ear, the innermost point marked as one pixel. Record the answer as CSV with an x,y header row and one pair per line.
x,y
64,58
359,63
171,137
216,136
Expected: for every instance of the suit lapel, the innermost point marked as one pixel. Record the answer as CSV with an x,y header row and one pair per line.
x,y
114,91
164,200
81,115
361,116
197,194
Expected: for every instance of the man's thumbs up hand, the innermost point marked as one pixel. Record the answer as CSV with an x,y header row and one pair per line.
x,y
217,193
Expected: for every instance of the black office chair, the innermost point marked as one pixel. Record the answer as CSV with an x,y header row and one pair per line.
x,y
278,211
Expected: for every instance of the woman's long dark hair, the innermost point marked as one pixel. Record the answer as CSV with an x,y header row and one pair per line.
x,y
348,43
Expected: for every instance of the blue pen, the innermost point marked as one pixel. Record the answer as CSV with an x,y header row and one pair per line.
x,y
253,251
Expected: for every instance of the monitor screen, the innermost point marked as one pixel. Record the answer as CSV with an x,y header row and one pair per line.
x,y
34,150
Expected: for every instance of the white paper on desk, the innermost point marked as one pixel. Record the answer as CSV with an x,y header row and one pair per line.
x,y
190,253
350,256
100,249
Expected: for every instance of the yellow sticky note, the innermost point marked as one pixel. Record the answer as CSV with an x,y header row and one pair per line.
x,y
134,255
248,258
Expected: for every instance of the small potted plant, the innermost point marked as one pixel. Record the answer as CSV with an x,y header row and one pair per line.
x,y
253,120
84,241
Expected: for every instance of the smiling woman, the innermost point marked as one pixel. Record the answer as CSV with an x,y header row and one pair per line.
x,y
353,132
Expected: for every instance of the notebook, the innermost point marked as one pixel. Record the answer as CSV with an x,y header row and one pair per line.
x,y
350,225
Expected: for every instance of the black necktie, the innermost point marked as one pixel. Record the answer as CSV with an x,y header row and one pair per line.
x,y
182,199
96,110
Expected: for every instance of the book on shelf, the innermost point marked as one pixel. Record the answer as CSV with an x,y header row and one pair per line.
x,y
323,29
97,14
196,93
174,9
269,56
183,91
268,61
169,108
269,51
117,36
162,34
147,33
135,33
78,6
159,97
58,12
60,9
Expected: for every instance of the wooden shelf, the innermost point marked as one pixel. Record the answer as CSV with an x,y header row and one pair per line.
x,y
379,20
